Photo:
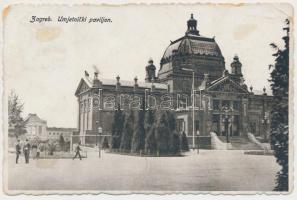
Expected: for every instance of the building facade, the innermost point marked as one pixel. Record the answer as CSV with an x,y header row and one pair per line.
x,y
35,127
193,81
55,133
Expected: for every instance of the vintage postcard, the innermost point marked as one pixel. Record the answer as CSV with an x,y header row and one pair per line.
x,y
148,98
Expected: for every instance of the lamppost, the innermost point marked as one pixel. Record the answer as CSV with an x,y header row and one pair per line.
x,y
226,121
265,122
193,107
99,133
97,125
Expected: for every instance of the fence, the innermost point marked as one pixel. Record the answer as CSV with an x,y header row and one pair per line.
x,y
92,141
201,142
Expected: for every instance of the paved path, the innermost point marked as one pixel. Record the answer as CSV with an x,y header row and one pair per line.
x,y
209,171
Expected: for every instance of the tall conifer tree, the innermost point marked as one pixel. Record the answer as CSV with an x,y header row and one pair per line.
x,y
117,128
279,114
126,139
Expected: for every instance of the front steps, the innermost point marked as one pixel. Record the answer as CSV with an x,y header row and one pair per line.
x,y
240,143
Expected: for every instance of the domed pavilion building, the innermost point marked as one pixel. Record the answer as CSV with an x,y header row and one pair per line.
x,y
192,71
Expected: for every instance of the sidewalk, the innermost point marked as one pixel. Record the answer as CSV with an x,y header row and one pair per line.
x,y
207,171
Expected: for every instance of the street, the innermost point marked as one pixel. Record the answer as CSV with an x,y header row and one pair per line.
x,y
211,170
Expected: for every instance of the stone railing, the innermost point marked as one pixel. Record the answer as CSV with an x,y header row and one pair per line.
x,y
253,139
217,144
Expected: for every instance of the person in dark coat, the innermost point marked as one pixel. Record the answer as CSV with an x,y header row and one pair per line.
x,y
77,151
17,151
26,151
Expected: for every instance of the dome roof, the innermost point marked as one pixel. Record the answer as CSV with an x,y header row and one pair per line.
x,y
193,44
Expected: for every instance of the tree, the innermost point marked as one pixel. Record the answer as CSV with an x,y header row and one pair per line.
x,y
62,142
184,142
138,140
51,148
175,139
117,128
15,109
149,128
150,141
138,132
105,144
279,114
127,132
162,134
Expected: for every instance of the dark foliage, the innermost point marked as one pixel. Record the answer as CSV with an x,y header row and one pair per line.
x,y
117,128
62,142
184,142
162,134
279,114
126,139
150,141
138,140
105,144
15,120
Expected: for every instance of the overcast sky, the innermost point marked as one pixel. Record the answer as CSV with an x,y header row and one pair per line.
x,y
45,61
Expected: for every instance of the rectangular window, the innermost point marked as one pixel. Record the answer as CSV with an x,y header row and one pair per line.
x,y
226,104
215,118
236,105
197,127
216,104
180,125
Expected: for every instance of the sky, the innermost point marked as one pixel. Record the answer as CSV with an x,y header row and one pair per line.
x,y
44,62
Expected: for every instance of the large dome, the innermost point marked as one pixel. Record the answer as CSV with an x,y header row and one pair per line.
x,y
192,44
192,52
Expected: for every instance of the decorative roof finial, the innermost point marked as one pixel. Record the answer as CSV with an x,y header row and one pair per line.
x,y
264,91
95,75
192,26
135,80
86,73
225,72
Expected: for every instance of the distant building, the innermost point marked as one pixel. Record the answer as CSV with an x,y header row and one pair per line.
x,y
35,126
55,133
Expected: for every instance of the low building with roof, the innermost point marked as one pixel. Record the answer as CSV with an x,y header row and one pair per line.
x,y
35,127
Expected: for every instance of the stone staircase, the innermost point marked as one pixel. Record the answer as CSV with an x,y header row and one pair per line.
x,y
240,143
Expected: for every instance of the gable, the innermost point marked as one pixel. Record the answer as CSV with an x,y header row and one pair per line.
x,y
226,85
82,87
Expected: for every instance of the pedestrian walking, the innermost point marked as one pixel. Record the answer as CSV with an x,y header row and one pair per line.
x,y
77,151
17,151
26,151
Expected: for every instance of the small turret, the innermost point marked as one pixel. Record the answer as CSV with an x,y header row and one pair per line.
x,y
251,89
150,71
118,84
236,66
135,83
236,69
96,81
264,91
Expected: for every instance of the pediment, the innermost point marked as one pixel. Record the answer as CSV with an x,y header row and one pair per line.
x,y
82,87
226,85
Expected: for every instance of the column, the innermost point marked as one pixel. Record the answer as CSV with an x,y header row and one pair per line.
x,y
244,117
